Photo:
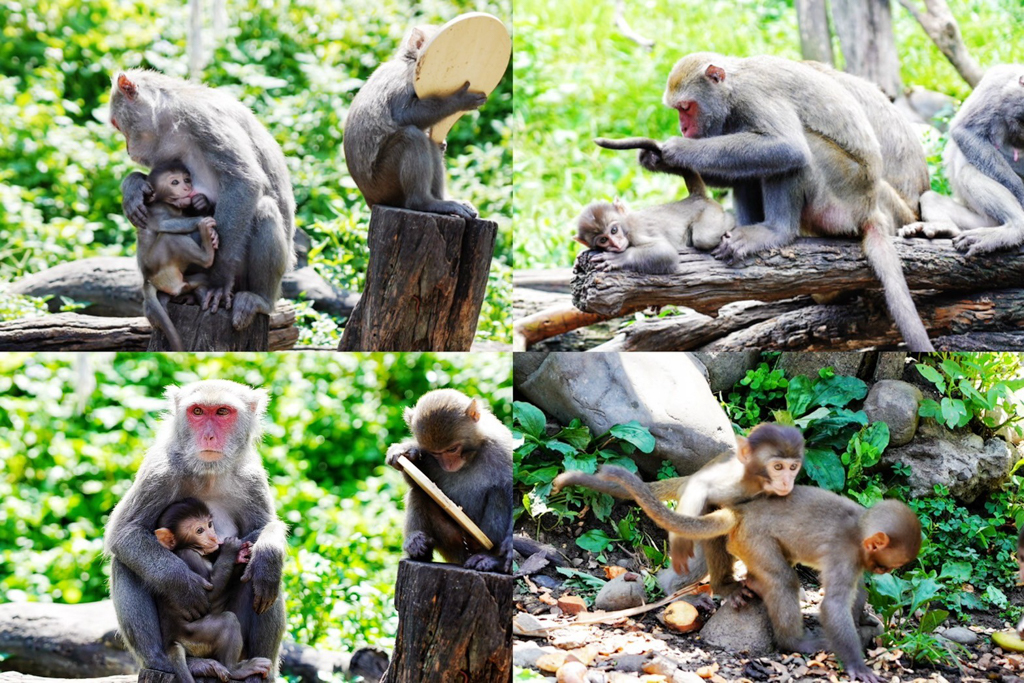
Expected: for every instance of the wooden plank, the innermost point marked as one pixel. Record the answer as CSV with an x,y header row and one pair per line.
x,y
449,506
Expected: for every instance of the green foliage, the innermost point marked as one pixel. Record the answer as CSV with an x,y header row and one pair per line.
x,y
977,391
578,77
74,429
296,64
897,599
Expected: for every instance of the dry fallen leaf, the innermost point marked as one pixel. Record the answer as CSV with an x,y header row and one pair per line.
x,y
551,662
613,571
708,671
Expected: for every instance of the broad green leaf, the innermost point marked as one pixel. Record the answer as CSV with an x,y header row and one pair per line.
x,y
953,411
817,414
595,541
952,369
539,476
636,434
961,572
923,591
930,408
824,468
561,448
839,390
933,619
583,463
933,376
627,464
579,437
889,586
799,395
602,506
995,597
529,417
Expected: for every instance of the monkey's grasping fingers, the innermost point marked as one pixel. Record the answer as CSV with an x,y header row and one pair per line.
x,y
265,574
395,451
218,297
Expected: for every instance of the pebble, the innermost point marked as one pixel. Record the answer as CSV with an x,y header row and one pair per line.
x,y
959,634
622,592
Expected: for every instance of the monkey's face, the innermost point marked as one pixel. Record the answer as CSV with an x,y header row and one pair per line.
x,y
131,114
451,458
602,226
215,420
173,187
199,534
698,91
780,474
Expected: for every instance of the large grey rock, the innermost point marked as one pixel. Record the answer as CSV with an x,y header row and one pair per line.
x,y
740,630
844,363
966,463
665,392
622,592
726,368
895,403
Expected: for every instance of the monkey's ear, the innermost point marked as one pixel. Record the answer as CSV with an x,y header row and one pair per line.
x,y
407,414
582,241
417,38
172,393
876,541
715,73
620,205
165,537
127,88
473,410
742,449
258,401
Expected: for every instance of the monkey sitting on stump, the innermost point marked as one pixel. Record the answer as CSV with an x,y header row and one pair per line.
x,y
387,150
467,452
214,642
166,248
986,170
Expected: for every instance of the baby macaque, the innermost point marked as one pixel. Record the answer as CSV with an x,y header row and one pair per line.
x,y
168,252
213,642
388,152
467,452
649,240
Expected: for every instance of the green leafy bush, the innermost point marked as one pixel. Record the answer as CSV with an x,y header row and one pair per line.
x,y
977,391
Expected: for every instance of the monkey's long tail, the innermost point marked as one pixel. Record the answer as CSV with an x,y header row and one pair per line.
x,y
591,481
882,256
629,143
158,317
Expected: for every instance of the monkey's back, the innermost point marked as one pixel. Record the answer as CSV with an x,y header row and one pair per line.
x,y
370,121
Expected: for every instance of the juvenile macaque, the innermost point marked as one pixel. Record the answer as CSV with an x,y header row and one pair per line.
x,y
767,461
798,148
166,248
213,642
985,165
234,162
387,147
467,452
813,527
205,449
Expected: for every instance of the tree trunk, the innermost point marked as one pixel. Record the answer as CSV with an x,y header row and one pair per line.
x,y
938,22
454,625
425,283
204,331
865,35
815,38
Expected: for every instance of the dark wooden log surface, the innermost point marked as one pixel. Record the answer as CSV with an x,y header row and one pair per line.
x,y
77,332
49,642
425,283
809,266
544,279
454,625
206,331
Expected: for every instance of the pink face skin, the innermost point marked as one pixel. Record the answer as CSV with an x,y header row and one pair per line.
x,y
451,459
782,476
614,239
180,189
211,425
688,118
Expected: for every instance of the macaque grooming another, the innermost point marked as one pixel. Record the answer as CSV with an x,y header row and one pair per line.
x,y
813,527
234,162
797,146
213,642
985,164
205,449
467,452
166,248
767,461
388,152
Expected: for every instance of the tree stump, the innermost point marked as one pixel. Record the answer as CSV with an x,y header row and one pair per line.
x,y
454,625
154,676
425,283
202,331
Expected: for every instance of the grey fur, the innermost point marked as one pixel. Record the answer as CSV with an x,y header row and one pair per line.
x,y
387,150
234,161
142,571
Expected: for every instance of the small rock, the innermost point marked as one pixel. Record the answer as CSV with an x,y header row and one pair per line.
x,y
686,677
572,604
630,663
551,661
959,634
524,623
526,653
660,666
545,581
572,672
622,592
895,403
745,630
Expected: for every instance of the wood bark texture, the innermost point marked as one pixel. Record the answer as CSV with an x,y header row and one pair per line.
x,y
425,283
866,37
937,21
815,38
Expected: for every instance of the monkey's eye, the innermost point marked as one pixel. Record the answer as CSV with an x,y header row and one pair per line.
x,y
602,240
174,182
779,467
200,531
223,411
615,230
197,411
452,449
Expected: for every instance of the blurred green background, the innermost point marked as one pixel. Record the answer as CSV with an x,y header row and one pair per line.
x,y
577,77
297,64
74,429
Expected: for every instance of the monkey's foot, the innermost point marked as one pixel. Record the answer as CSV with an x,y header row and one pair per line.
x,y
246,306
986,240
257,666
483,562
208,667
605,261
419,547
739,243
452,207
861,672
931,230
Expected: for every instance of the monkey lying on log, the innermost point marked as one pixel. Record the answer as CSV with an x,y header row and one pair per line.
x,y
166,249
813,527
985,167
801,148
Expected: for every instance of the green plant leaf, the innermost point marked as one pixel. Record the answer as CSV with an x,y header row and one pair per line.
x,y
953,411
824,467
560,448
932,619
933,376
952,369
633,432
595,541
799,395
583,462
839,390
575,434
959,572
922,592
889,586
529,417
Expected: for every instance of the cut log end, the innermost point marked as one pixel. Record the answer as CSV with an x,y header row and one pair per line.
x,y
206,331
154,676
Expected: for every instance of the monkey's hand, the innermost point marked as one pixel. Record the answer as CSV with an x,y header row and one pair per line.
x,y
482,562
188,595
135,190
606,260
264,571
469,100
200,202
231,546
220,297
861,672
244,553
419,547
395,451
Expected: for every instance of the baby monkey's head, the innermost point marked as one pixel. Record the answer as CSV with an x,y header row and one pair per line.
x,y
187,524
602,226
172,184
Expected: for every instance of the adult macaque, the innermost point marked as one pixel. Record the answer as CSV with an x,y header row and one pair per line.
x,y
205,449
812,527
985,166
766,461
467,452
214,642
235,163
799,151
387,149
166,248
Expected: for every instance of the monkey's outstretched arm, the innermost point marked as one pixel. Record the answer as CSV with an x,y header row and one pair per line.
x,y
629,143
177,226
424,112
737,155
980,152
135,189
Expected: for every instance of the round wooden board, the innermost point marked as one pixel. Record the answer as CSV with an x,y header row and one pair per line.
x,y
472,47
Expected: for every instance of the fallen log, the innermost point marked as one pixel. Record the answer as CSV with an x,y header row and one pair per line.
x,y
453,624
809,266
77,332
48,642
545,279
550,322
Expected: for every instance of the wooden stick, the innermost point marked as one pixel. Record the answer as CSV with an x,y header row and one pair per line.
x,y
423,481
